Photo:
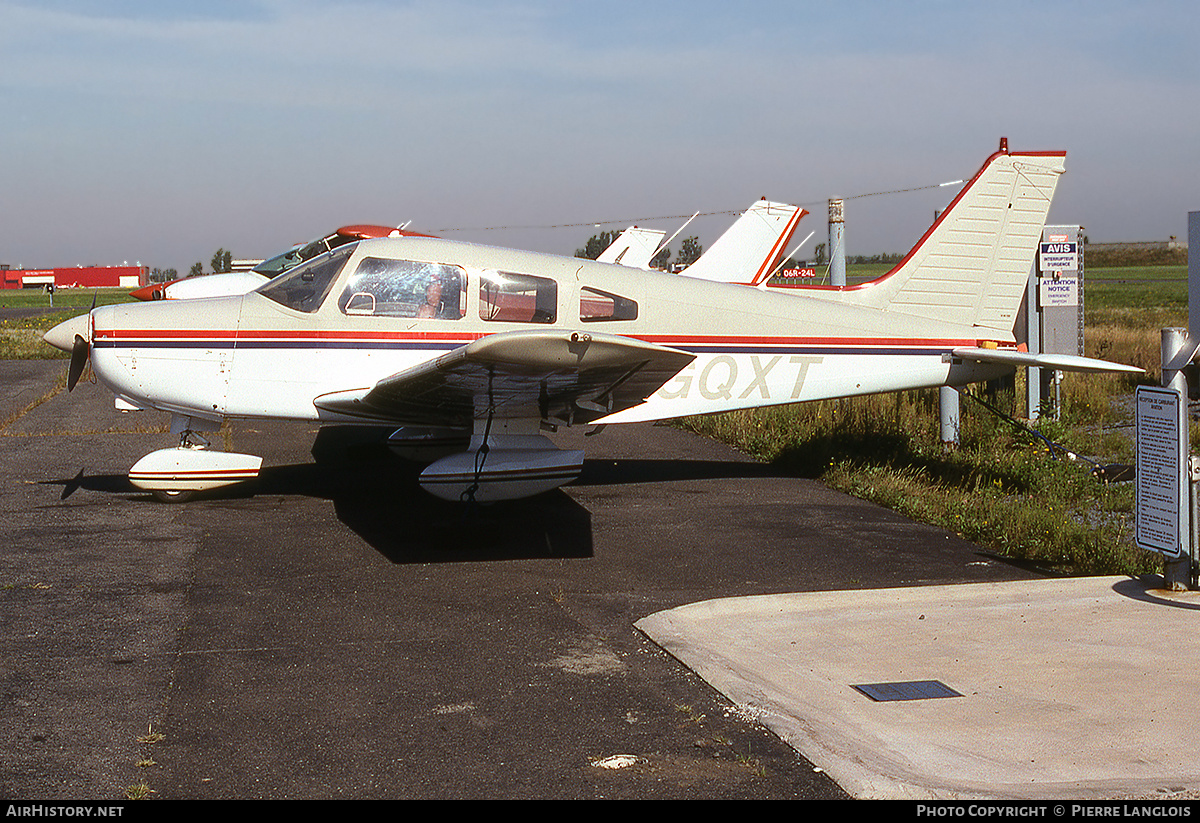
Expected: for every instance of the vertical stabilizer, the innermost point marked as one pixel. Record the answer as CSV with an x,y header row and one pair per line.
x,y
750,250
972,266
634,247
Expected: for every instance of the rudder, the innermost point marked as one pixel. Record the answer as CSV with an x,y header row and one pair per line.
x,y
972,266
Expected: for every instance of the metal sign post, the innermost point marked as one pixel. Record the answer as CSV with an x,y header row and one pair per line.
x,y
1163,494
1161,489
1193,337
1167,475
1054,311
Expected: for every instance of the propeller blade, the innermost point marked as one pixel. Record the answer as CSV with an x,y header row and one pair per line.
x,y
79,357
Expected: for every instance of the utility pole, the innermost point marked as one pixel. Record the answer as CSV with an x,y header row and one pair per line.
x,y
837,244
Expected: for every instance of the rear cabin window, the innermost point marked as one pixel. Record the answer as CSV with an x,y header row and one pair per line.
x,y
382,287
517,298
305,287
596,305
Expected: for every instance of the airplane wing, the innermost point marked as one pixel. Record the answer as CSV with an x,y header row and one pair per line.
x,y
1063,362
549,374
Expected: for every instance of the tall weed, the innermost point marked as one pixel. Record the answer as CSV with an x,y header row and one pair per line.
x,y
1002,488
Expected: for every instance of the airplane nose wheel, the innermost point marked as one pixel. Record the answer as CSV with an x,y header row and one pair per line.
x,y
177,496
188,439
177,475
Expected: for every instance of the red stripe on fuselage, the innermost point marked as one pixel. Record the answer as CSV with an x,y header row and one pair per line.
x,y
226,335
442,341
661,339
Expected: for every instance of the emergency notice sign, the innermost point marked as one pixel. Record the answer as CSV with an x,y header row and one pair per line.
x,y
1058,291
1058,255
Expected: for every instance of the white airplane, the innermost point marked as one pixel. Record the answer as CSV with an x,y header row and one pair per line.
x,y
635,247
240,282
210,285
746,253
740,250
752,248
477,351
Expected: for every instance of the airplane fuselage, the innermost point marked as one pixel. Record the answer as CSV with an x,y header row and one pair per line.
x,y
267,354
472,351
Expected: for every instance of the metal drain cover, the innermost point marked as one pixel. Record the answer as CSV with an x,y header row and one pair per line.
x,y
907,690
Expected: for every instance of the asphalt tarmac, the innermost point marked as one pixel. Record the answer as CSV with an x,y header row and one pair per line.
x,y
331,631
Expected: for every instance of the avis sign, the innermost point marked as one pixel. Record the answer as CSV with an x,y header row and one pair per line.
x,y
1058,256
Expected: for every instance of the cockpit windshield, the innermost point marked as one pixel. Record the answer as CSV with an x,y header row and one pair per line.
x,y
295,256
305,287
280,262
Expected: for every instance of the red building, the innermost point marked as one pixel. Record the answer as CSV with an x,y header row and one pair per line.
x,y
89,277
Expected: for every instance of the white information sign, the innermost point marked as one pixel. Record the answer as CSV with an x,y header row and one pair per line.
x,y
1058,291
1058,256
1160,487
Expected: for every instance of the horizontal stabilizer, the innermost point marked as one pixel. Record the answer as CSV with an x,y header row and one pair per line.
x,y
1062,362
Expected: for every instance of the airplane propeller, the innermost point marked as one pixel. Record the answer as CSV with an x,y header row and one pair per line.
x,y
79,357
80,350
74,337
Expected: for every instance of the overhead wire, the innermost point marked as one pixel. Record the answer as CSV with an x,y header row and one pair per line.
x,y
636,220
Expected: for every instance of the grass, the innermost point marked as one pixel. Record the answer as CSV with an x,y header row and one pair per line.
x,y
1126,310
142,790
138,791
1002,488
51,392
26,344
21,337
66,299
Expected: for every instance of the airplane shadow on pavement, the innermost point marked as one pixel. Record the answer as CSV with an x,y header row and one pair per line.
x,y
377,496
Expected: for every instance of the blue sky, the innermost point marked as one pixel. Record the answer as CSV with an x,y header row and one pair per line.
x,y
159,132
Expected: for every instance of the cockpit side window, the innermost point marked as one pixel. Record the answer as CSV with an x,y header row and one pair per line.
x,y
517,298
305,287
382,287
596,305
